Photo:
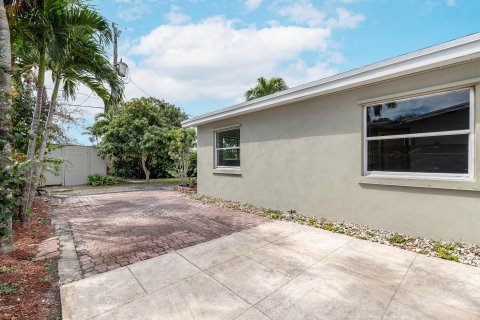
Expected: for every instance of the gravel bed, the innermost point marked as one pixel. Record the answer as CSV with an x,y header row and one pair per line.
x,y
456,251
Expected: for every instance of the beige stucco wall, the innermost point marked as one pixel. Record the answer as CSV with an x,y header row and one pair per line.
x,y
80,161
307,156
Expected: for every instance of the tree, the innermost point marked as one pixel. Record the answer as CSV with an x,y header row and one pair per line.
x,y
99,127
140,133
181,145
265,87
85,63
6,243
47,26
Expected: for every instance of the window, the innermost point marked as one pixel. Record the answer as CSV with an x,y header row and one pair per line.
x,y
227,148
424,136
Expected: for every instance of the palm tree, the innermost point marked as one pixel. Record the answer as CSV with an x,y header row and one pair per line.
x,y
99,127
48,25
265,87
6,243
84,63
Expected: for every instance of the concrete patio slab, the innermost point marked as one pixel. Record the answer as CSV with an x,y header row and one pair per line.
x,y
314,243
368,265
253,314
309,274
328,291
378,250
286,261
452,290
274,231
89,297
410,306
159,272
448,269
198,297
249,279
208,254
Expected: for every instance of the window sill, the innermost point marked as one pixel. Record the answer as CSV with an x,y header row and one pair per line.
x,y
234,171
466,185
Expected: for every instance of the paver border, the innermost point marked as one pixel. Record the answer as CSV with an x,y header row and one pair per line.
x,y
68,264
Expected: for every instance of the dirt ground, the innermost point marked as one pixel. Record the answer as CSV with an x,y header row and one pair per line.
x,y
29,289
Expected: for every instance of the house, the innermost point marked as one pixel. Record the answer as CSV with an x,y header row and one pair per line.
x,y
393,145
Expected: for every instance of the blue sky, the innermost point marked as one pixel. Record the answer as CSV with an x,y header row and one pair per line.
x,y
203,55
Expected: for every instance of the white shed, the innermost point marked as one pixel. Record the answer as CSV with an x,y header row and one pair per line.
x,y
80,161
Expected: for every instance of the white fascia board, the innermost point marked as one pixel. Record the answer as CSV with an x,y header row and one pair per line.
x,y
448,53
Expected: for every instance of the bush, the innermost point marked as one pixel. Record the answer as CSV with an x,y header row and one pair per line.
x,y
102,180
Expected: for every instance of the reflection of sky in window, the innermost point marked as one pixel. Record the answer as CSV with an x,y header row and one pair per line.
x,y
421,105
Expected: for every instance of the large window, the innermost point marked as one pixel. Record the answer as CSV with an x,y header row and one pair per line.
x,y
430,135
227,148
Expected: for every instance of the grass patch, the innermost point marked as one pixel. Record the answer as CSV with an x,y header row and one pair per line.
x,y
102,180
52,269
8,287
166,181
397,239
5,269
444,251
44,221
330,227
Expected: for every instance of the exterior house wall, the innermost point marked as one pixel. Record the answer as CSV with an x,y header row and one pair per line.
x,y
308,157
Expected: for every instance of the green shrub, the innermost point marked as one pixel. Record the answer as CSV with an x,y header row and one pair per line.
x,y
397,239
444,251
102,180
5,269
7,287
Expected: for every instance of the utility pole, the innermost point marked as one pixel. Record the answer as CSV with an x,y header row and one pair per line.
x,y
116,34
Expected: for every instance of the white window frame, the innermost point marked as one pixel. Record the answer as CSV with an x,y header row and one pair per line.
x,y
423,175
215,149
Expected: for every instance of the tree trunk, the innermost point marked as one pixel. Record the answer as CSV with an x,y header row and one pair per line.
x,y
147,173
6,242
184,168
33,133
43,145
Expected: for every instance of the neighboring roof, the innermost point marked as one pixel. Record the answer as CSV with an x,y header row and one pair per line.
x,y
447,53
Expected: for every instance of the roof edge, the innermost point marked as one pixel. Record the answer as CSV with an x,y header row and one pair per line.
x,y
444,54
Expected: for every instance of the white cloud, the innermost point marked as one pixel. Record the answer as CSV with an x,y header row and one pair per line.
x,y
451,2
304,12
216,59
345,19
176,17
134,12
252,4
131,10
299,72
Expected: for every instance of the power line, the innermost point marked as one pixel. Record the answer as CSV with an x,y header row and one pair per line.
x,y
81,93
80,106
131,80
86,99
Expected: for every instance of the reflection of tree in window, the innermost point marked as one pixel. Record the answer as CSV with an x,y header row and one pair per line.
x,y
230,142
421,134
231,154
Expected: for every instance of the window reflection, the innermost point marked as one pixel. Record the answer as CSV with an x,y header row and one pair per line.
x,y
441,154
441,112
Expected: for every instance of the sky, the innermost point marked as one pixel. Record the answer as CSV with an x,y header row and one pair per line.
x,y
202,55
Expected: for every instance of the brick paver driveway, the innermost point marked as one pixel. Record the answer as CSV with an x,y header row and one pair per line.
x,y
117,229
